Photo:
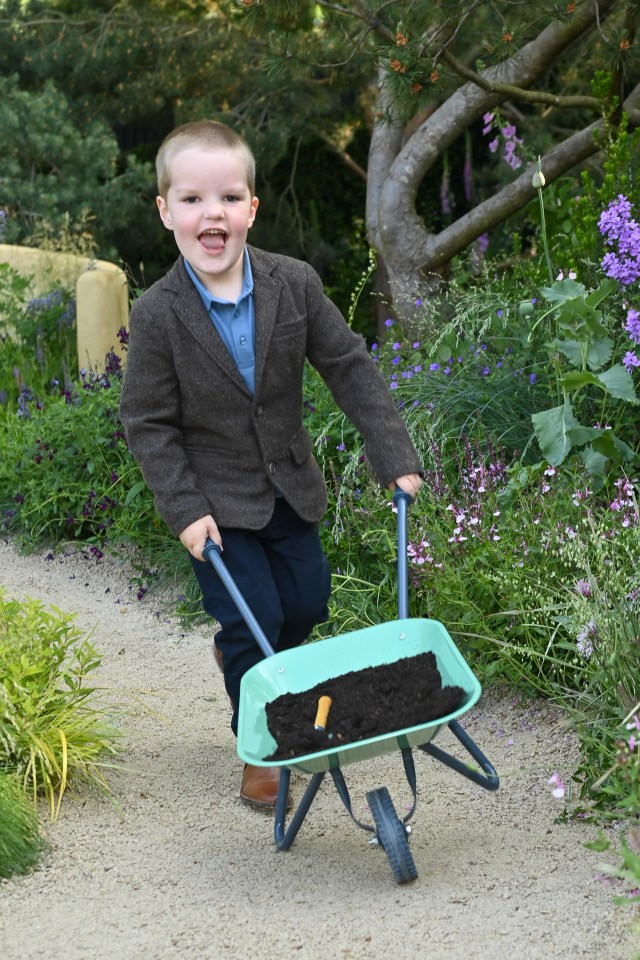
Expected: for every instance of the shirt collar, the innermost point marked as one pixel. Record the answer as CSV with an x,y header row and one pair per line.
x,y
208,298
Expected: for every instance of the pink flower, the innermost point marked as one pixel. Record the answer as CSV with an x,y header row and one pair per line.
x,y
559,788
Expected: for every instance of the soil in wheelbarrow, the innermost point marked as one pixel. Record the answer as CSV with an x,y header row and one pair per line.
x,y
365,703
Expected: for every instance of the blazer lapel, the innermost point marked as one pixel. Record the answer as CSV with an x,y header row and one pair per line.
x,y
191,312
266,299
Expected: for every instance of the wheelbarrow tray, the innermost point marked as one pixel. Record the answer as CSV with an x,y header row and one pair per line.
x,y
294,671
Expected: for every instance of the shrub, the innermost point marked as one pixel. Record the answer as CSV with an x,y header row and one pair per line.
x,y
52,731
21,842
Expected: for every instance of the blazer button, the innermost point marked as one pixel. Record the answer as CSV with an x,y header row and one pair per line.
x,y
259,411
272,468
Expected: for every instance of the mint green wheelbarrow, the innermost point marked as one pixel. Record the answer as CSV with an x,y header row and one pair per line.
x,y
294,671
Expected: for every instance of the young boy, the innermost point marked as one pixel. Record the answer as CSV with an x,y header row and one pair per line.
x,y
212,405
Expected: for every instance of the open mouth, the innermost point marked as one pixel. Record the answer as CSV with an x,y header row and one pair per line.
x,y
213,239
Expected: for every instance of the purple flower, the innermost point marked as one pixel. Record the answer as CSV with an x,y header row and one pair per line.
x,y
622,232
388,322
583,587
434,366
532,378
630,361
493,146
632,326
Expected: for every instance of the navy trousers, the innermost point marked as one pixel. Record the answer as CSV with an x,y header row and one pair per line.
x,y
283,575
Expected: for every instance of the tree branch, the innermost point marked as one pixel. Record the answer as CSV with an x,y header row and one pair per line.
x,y
511,91
440,248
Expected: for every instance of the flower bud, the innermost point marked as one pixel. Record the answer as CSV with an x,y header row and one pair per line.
x,y
538,179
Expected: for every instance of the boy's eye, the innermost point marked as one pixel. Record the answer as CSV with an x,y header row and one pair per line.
x,y
190,199
232,198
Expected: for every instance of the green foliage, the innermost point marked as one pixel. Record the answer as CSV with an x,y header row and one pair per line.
x,y
52,731
75,186
37,342
21,842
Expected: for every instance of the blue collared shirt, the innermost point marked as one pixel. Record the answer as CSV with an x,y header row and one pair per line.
x,y
235,322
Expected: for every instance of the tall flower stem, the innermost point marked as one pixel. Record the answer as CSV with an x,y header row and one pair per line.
x,y
538,182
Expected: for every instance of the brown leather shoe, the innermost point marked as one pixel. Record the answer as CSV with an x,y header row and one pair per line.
x,y
217,655
260,786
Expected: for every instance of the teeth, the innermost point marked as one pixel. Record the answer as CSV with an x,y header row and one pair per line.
x,y
213,232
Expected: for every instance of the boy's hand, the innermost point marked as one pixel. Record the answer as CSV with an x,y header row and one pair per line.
x,y
410,483
193,537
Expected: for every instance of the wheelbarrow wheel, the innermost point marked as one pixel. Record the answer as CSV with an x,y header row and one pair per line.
x,y
392,835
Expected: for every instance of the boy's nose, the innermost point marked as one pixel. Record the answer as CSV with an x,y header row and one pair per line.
x,y
213,209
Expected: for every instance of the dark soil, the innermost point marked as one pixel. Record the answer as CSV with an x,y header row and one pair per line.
x,y
366,703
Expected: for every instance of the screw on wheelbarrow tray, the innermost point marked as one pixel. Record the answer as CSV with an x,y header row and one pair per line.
x,y
301,669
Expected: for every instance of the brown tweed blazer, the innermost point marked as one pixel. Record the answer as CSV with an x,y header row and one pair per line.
x,y
204,444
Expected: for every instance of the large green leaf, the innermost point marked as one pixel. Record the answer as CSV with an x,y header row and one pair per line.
x,y
552,428
575,379
572,350
619,383
563,290
602,292
599,352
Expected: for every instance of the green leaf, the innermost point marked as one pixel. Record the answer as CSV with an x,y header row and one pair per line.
x,y
563,290
601,293
599,352
576,379
595,464
618,382
133,492
611,446
552,429
572,350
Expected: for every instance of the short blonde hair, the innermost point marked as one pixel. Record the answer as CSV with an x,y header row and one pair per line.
x,y
208,134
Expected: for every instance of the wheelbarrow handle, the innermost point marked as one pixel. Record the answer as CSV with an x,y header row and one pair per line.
x,y
213,553
402,501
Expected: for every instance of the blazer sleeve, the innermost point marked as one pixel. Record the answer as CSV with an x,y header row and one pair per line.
x,y
150,413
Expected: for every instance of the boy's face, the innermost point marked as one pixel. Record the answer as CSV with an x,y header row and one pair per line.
x,y
210,209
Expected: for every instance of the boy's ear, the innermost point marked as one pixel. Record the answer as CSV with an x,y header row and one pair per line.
x,y
252,212
165,216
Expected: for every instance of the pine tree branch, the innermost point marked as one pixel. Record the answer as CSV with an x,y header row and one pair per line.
x,y
513,92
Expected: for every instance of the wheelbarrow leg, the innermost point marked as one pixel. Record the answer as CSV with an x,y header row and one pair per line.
x,y
284,838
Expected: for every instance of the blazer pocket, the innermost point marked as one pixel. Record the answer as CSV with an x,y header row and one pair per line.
x,y
301,447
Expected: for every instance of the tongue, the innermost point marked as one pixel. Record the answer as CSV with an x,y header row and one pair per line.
x,y
212,241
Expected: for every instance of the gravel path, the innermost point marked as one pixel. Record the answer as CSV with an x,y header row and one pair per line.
x,y
177,867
